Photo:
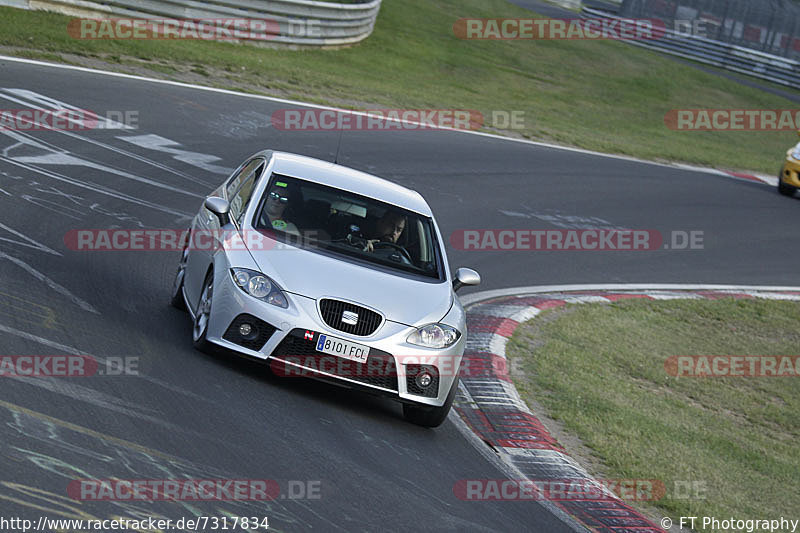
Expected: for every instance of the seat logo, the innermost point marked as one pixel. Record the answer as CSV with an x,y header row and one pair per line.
x,y
349,317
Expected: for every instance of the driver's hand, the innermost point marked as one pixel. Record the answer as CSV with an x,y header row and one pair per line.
x,y
369,246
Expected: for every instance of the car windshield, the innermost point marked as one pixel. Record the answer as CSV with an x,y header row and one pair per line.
x,y
330,220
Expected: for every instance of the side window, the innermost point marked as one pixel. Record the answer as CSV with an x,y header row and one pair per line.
x,y
242,196
241,176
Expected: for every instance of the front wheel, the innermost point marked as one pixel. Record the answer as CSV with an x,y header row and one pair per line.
x,y
786,190
431,417
176,298
203,315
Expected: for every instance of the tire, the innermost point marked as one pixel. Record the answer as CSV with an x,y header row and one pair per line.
x,y
430,417
786,190
176,299
202,315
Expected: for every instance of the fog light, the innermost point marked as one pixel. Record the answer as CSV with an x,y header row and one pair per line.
x,y
245,329
424,380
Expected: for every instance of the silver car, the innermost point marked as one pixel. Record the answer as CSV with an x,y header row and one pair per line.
x,y
330,273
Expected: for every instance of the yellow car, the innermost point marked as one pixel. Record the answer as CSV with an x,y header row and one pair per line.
x,y
789,178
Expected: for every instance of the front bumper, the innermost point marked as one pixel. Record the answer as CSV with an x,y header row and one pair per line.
x,y
790,173
392,361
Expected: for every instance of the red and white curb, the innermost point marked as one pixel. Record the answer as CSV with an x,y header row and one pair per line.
x,y
758,178
493,410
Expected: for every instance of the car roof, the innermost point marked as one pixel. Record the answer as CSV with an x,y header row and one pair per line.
x,y
348,179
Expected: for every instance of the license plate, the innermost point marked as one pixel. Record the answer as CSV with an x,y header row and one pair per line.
x,y
342,348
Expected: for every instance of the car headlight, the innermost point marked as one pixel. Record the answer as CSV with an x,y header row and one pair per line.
x,y
434,336
259,286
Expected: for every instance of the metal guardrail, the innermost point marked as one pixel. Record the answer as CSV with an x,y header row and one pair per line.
x,y
727,56
327,24
609,6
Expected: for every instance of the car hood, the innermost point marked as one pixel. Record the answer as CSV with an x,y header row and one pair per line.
x,y
315,275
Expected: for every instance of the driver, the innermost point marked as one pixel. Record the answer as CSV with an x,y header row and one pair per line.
x,y
387,229
272,216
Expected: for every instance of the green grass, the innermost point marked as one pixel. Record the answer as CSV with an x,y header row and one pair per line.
x,y
598,370
605,96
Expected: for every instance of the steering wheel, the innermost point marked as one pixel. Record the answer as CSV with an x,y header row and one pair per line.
x,y
397,247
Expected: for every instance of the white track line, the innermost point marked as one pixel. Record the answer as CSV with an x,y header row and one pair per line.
x,y
679,166
473,298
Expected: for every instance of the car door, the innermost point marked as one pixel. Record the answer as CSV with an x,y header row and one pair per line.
x,y
206,231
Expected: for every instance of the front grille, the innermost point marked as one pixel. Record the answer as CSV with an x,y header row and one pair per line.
x,y
432,390
379,370
258,337
368,320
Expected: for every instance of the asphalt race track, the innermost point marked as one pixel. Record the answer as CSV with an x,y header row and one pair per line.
x,y
190,415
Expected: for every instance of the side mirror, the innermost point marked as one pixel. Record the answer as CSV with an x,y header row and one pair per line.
x,y
466,276
220,207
